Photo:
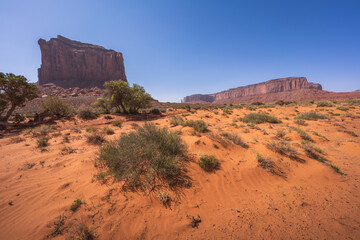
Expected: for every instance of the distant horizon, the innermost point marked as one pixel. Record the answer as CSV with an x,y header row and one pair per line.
x,y
179,48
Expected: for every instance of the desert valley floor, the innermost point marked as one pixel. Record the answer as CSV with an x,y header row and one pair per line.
x,y
306,199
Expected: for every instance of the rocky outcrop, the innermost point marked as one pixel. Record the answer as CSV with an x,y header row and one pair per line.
x,y
268,87
69,64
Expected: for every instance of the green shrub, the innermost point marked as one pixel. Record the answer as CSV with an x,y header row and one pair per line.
x,y
260,118
325,104
301,122
117,123
145,158
57,107
77,203
312,116
269,165
208,162
198,125
155,111
42,130
283,148
176,120
87,113
43,142
304,135
95,138
108,131
235,139
18,118
343,108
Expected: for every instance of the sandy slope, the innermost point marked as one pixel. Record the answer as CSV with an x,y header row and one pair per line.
x,y
239,201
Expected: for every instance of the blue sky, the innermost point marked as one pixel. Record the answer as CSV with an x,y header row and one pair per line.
x,y
176,48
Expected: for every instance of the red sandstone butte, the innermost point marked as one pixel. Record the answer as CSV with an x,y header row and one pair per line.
x,y
69,64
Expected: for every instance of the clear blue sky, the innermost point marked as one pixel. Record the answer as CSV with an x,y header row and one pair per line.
x,y
176,48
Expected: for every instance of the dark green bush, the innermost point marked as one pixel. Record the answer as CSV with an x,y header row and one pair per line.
x,y
208,162
260,118
77,203
312,116
87,113
198,125
57,107
145,158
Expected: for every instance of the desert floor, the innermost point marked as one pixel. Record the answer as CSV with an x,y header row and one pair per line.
x,y
240,200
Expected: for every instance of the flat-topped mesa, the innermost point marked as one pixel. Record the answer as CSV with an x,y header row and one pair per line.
x,y
69,64
271,86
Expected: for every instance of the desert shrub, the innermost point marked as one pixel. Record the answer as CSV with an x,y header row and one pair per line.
x,y
312,116
15,91
325,104
257,103
95,137
57,107
280,133
304,135
313,152
18,118
103,105
348,132
108,130
125,98
91,129
67,150
301,122
117,123
42,142
343,108
235,139
176,120
164,197
268,164
283,148
260,118
198,125
145,158
77,203
108,117
208,162
87,113
155,111
41,130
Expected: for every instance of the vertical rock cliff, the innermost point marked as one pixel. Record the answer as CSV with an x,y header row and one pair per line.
x,y
69,63
268,87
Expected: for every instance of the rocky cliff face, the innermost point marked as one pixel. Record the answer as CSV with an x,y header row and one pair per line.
x,y
272,86
69,63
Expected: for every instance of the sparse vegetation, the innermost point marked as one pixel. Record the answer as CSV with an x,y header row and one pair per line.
x,y
42,142
269,165
117,123
108,131
235,139
87,113
56,107
348,132
343,108
198,125
77,203
257,118
208,162
164,197
312,116
283,148
95,137
145,158
304,135
301,122
325,104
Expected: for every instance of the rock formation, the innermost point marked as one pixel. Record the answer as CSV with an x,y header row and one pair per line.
x,y
268,87
69,64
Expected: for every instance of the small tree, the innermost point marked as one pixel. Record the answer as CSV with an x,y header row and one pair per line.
x,y
14,92
125,98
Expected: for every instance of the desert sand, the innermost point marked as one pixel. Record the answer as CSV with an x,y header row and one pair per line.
x,y
240,200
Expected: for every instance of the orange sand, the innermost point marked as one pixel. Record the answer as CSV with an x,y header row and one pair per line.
x,y
239,201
